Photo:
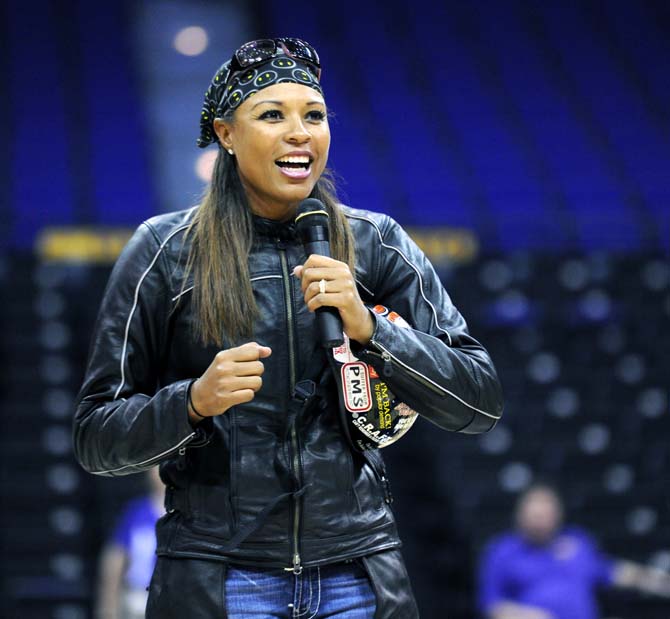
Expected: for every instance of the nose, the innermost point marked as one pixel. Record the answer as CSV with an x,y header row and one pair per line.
x,y
298,132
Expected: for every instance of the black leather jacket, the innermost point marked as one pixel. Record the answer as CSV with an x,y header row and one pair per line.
x,y
269,482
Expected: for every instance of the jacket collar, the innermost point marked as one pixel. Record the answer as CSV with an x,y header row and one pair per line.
x,y
271,228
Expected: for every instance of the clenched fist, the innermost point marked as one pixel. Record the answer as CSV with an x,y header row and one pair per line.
x,y
233,377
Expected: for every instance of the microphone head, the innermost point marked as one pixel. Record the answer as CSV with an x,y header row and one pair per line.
x,y
311,213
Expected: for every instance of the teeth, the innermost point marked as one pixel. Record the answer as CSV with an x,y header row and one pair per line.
x,y
301,159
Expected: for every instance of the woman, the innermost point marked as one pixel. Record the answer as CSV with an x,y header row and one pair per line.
x,y
205,359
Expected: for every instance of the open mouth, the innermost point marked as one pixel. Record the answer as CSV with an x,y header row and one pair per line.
x,y
299,163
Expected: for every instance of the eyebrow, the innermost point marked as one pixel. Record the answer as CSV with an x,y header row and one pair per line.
x,y
282,103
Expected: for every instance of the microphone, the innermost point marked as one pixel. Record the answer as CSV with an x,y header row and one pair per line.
x,y
312,227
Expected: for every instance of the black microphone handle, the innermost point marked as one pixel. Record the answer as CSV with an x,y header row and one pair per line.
x,y
327,318
317,247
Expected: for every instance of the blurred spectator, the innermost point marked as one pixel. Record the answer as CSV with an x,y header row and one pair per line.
x,y
545,570
128,558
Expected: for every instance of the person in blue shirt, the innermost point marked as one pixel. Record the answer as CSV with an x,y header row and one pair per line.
x,y
545,570
129,556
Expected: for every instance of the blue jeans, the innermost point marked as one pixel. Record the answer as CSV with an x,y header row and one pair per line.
x,y
340,591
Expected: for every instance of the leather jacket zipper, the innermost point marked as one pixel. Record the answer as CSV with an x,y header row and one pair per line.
x,y
197,439
390,360
181,447
296,566
379,469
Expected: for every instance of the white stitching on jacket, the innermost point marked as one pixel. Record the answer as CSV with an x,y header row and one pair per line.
x,y
259,277
253,279
160,455
124,350
434,316
432,382
413,267
364,287
182,292
134,307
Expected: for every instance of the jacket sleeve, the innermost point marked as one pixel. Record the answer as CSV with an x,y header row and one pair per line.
x,y
122,423
435,367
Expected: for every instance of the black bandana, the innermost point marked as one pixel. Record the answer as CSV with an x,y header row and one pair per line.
x,y
220,98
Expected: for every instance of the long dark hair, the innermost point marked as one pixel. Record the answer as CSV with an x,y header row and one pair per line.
x,y
222,235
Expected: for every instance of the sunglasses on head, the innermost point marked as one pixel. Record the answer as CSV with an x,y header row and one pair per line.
x,y
262,50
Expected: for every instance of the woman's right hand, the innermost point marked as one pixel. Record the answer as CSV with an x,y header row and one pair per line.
x,y
233,377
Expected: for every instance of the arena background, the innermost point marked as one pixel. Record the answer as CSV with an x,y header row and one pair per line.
x,y
526,145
